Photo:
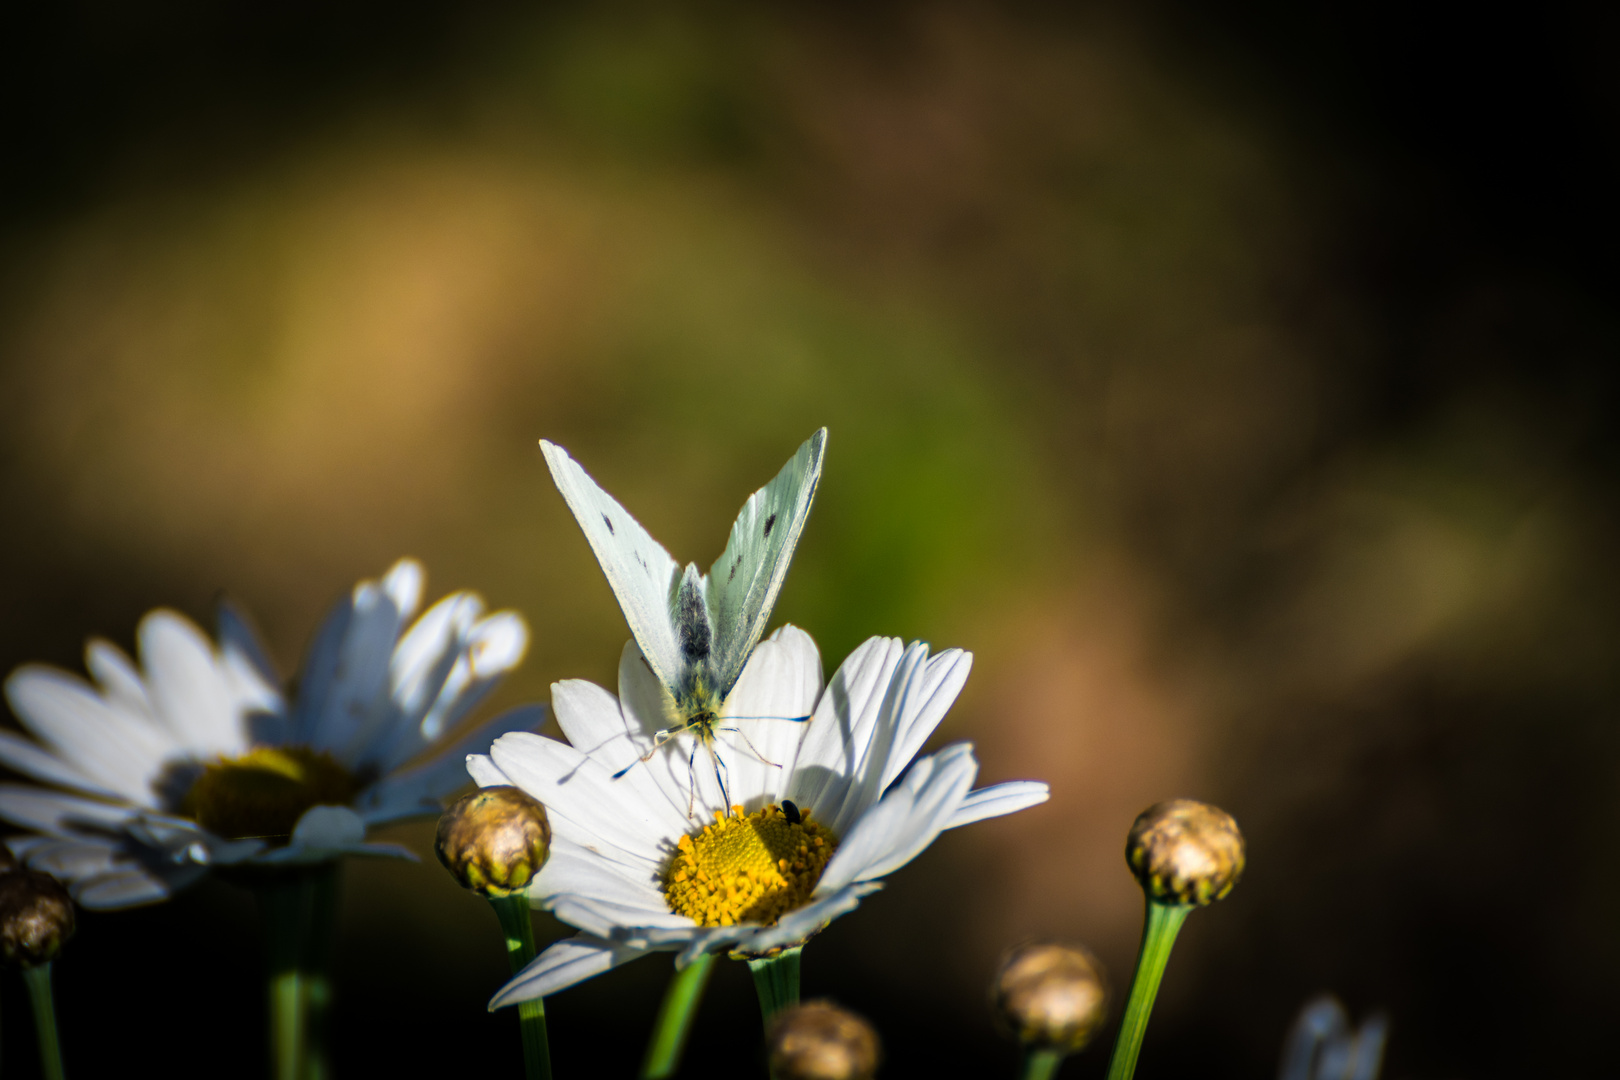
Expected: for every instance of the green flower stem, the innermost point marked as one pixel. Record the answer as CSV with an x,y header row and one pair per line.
x,y
518,925
317,969
776,980
1158,938
297,906
1040,1063
288,1041
675,1016
38,979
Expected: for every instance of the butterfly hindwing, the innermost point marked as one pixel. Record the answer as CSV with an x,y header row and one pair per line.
x,y
641,572
744,583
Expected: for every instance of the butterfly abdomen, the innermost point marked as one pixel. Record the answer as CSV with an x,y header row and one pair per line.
x,y
692,619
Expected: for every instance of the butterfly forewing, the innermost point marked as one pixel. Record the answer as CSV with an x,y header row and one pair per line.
x,y
642,574
744,583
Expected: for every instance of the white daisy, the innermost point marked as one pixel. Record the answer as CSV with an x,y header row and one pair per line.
x,y
821,812
199,758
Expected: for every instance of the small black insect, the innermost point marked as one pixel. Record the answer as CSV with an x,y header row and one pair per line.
x,y
609,523
791,812
768,523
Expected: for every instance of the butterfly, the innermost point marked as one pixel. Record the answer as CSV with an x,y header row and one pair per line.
x,y
695,630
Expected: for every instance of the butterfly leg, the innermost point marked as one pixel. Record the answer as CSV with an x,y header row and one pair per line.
x,y
719,768
659,739
761,758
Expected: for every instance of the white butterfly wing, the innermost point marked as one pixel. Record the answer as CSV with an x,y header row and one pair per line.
x,y
743,584
641,572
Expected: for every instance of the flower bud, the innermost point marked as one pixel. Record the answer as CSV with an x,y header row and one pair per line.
x,y
36,917
495,840
1050,996
1185,852
820,1041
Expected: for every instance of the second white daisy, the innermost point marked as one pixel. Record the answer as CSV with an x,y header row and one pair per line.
x,y
647,856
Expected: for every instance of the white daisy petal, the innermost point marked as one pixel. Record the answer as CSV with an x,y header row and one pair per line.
x,y
486,652
351,698
403,583
797,925
874,732
24,843
765,715
606,918
921,689
116,675
56,814
926,701
701,940
329,826
998,799
582,799
124,889
21,755
188,686
428,650
87,732
319,671
296,854
590,718
253,678
906,821
825,766
73,860
176,839
485,773
571,869
419,790
646,704
424,662
564,963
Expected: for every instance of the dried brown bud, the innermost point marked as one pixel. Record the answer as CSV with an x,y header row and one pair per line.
x,y
495,840
820,1041
1185,852
1050,995
36,917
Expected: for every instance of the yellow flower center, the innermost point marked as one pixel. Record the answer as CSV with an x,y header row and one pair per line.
x,y
747,867
264,792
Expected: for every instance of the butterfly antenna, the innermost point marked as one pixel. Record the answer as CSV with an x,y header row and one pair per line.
x,y
788,719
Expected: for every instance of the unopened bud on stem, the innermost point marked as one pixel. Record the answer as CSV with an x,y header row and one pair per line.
x,y
820,1041
495,840
1050,996
36,917
1185,852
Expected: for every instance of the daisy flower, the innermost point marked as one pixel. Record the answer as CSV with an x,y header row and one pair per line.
x,y
199,757
646,854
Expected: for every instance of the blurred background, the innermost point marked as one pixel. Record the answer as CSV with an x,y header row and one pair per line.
x,y
1235,380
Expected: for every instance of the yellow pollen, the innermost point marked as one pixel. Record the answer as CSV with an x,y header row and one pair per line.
x,y
751,868
264,792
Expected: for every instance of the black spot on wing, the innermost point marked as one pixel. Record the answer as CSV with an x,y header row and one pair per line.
x,y
732,574
609,523
769,522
